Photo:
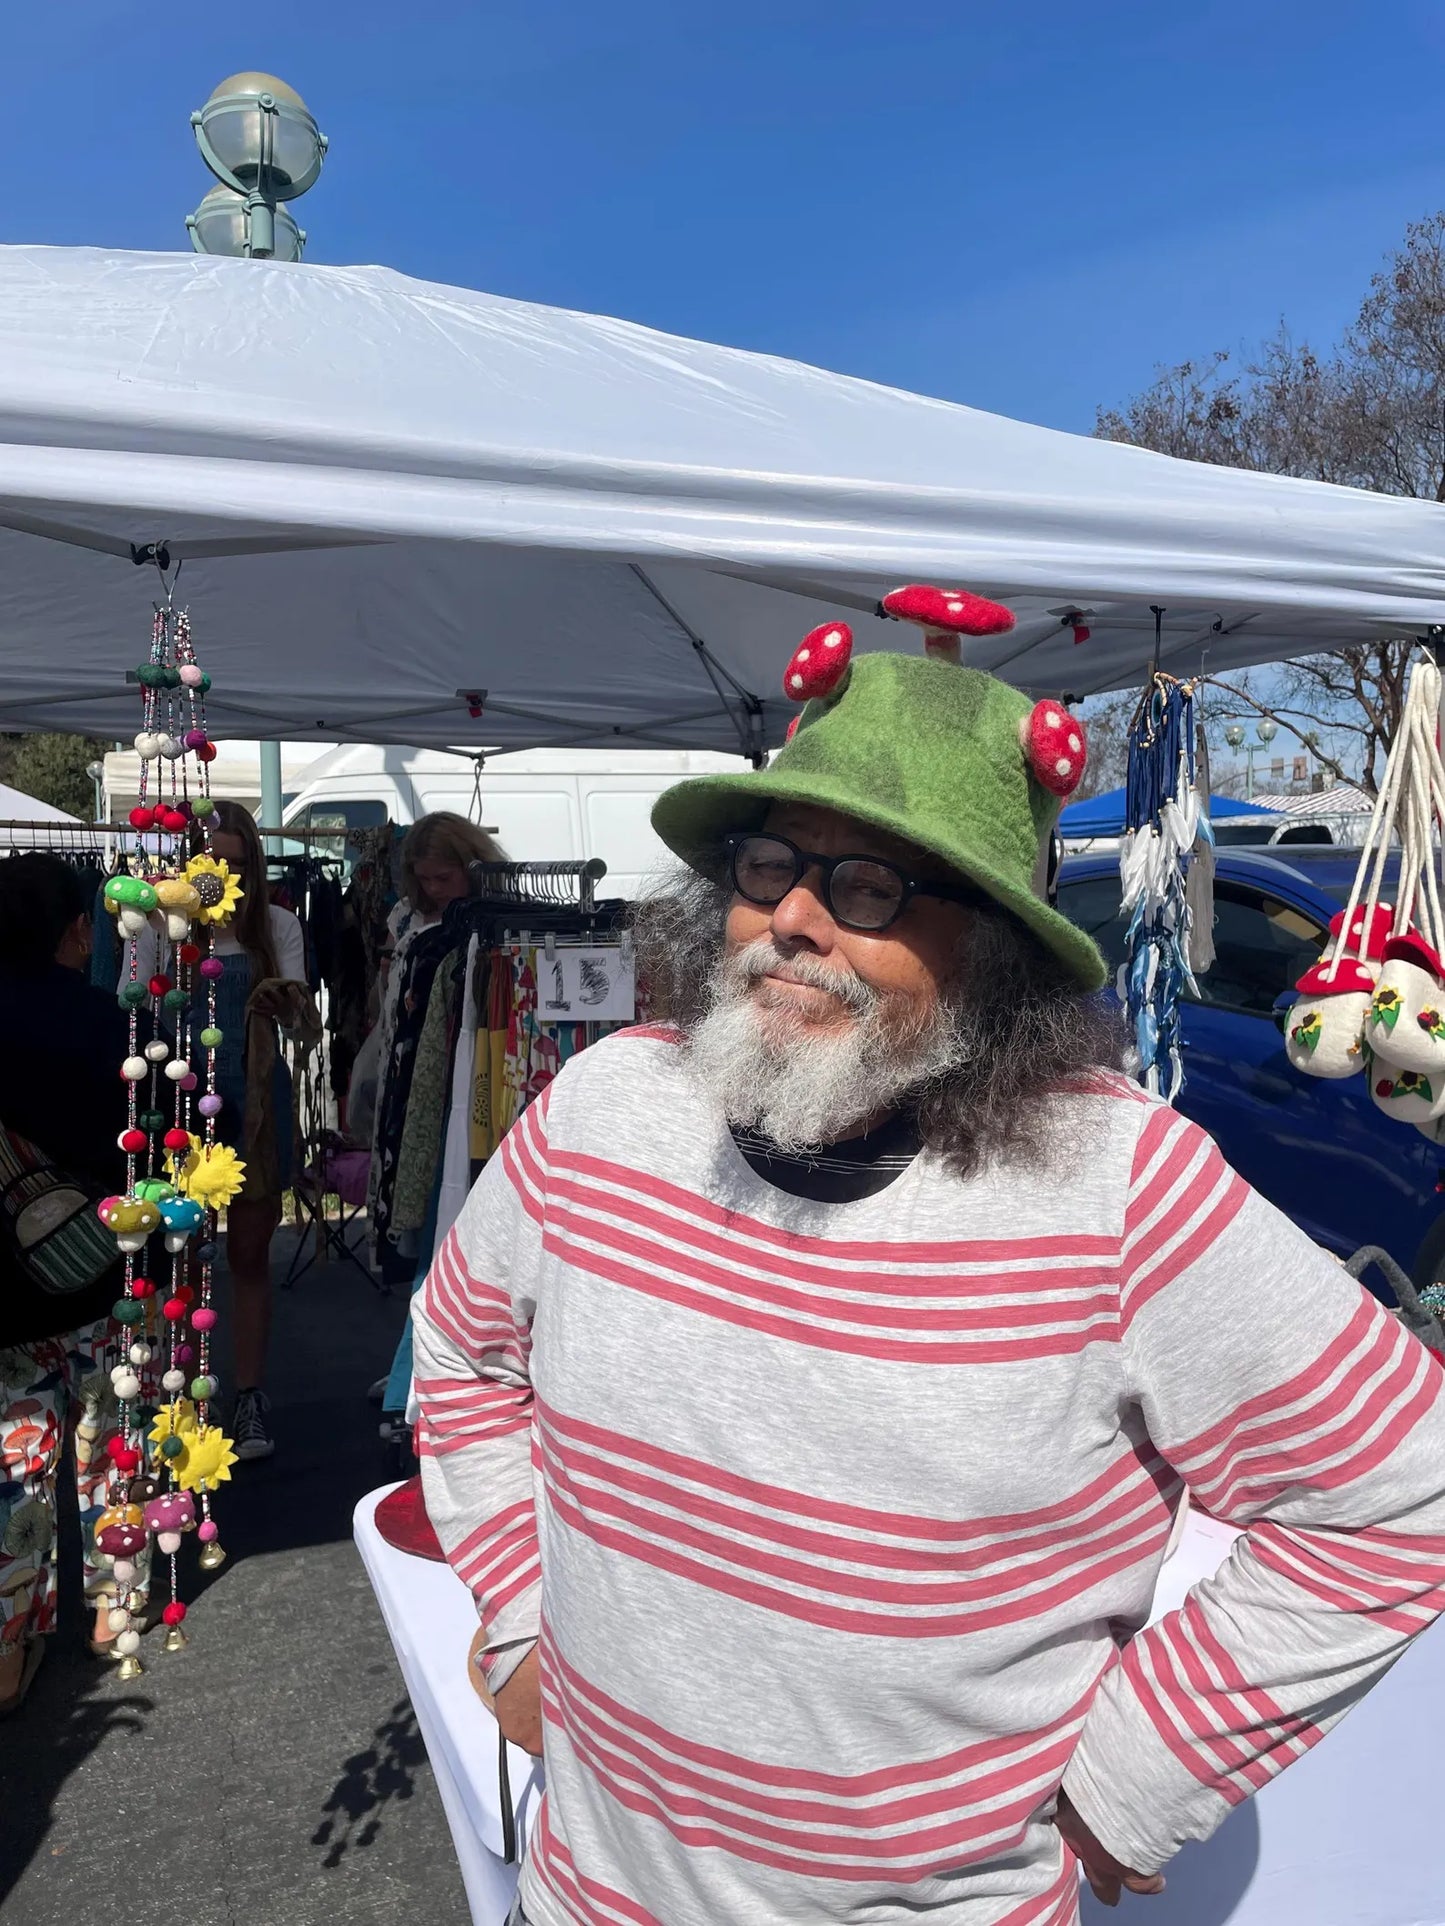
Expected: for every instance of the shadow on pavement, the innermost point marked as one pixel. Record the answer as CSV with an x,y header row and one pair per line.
x,y
386,1771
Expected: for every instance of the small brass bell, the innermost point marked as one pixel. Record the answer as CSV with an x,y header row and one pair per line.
x,y
130,1668
175,1640
212,1557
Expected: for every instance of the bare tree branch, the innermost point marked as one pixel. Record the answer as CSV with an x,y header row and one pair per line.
x,y
1369,414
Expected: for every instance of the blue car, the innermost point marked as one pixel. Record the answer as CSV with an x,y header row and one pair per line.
x,y
1321,1151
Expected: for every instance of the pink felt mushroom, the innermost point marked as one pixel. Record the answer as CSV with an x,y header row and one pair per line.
x,y
944,615
820,662
1056,746
170,1515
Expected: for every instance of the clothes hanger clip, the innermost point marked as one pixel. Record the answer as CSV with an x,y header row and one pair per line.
x,y
551,947
626,946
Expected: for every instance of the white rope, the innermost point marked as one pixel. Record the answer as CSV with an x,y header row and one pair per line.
x,y
1411,803
1376,846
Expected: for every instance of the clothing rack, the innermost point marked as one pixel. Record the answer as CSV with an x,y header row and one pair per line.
x,y
78,843
556,885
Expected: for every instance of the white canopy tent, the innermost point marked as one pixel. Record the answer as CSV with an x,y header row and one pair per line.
x,y
17,807
388,497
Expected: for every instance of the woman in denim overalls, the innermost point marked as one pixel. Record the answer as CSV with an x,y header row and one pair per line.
x,y
260,944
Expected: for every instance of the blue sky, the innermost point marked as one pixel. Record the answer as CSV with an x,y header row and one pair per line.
x,y
1025,209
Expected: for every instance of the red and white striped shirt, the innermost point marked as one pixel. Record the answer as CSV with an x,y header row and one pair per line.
x,y
832,1518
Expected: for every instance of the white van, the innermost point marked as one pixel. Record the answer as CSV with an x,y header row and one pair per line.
x,y
543,805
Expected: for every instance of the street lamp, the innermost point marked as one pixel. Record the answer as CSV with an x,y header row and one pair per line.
x,y
258,138
260,141
1266,729
222,224
96,772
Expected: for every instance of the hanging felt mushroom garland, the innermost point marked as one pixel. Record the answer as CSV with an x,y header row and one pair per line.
x,y
168,1456
1164,820
1375,1001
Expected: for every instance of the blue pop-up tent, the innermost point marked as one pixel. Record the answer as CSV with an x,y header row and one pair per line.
x,y
1103,815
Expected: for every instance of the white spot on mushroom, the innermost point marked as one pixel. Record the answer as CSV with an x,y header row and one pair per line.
x,y
953,605
803,654
797,682
1052,719
1075,744
1063,766
832,639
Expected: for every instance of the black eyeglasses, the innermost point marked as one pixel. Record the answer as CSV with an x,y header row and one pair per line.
x,y
862,892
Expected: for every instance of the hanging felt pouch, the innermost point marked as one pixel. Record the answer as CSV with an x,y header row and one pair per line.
x,y
1406,1023
1323,1030
1409,1096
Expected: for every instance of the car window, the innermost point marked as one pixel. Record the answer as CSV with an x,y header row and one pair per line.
x,y
329,823
1262,946
1092,903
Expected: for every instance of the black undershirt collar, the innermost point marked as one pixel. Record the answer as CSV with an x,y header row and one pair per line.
x,y
835,1173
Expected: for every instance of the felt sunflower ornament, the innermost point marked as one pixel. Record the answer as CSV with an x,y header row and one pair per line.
x,y
216,1177
218,892
209,1457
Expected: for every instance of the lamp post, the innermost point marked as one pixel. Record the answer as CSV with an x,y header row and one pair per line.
x,y
1266,729
96,772
259,139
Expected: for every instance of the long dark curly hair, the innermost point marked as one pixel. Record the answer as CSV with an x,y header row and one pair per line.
x,y
1032,1034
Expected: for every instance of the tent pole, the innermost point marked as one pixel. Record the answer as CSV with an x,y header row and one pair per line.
x,y
271,793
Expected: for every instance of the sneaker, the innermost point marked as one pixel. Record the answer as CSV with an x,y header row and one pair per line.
x,y
248,1425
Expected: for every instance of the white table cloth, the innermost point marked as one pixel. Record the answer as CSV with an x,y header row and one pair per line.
x,y
1349,1836
431,1619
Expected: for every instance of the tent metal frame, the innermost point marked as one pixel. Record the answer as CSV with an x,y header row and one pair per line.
x,y
743,708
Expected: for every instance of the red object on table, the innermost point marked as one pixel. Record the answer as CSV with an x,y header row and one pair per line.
x,y
402,1520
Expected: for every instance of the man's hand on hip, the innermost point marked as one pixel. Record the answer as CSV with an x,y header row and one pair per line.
x,y
518,1706
1106,1876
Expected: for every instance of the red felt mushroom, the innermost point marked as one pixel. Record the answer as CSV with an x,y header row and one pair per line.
x,y
1374,938
1411,948
820,662
1056,746
120,1541
944,615
1348,978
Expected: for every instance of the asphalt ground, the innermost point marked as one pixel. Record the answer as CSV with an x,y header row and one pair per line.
x,y
271,1774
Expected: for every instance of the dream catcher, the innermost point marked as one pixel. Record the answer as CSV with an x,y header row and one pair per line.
x,y
1166,830
169,1456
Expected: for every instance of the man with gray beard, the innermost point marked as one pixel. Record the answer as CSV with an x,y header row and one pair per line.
x,y
810,1384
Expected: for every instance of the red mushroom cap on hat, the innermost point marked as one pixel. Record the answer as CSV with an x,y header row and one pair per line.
x,y
947,611
1056,746
819,662
1349,977
1411,948
1374,938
